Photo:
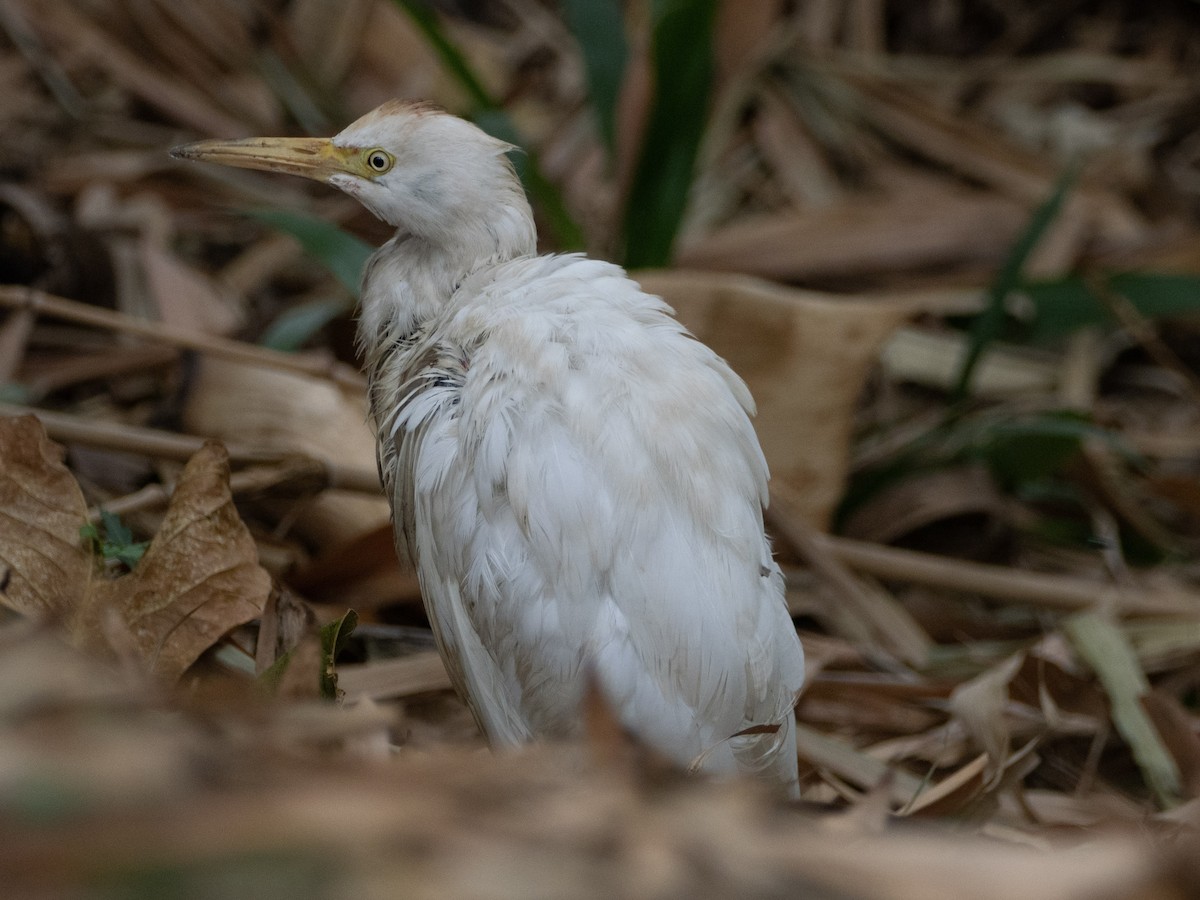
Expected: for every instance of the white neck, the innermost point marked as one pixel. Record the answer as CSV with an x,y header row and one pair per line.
x,y
411,279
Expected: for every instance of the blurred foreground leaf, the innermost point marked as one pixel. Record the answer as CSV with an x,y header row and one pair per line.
x,y
1103,647
295,327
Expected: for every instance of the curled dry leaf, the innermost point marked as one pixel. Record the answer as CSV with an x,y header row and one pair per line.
x,y
292,413
980,705
777,337
947,497
199,578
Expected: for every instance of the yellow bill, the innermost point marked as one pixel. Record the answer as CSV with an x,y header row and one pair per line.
x,y
316,158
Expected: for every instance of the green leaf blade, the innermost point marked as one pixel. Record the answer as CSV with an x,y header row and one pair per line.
x,y
488,114
990,322
1063,306
1158,295
334,636
683,76
599,28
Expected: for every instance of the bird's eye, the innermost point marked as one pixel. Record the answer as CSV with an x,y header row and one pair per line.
x,y
379,160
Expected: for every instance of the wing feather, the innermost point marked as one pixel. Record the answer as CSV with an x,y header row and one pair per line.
x,y
423,453
582,489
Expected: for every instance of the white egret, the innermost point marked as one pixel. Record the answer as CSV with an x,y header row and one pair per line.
x,y
575,477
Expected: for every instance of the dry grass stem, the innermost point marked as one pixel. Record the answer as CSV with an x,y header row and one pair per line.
x,y
15,297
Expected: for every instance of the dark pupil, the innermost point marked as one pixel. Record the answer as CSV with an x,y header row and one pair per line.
x,y
377,161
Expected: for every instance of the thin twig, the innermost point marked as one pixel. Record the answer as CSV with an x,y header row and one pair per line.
x,y
151,496
416,674
15,297
1061,592
167,445
1038,588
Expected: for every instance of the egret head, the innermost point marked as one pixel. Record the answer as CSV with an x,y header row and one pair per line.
x,y
424,171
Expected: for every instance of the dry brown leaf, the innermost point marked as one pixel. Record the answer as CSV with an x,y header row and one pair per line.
x,y
854,606
945,496
805,176
840,758
1181,490
976,150
977,783
72,32
394,60
980,704
199,578
743,32
864,709
151,281
362,573
953,790
292,413
805,357
921,224
183,296
46,570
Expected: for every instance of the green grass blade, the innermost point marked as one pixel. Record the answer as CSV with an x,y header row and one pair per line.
x,y
1063,306
452,58
599,28
489,115
1159,294
990,322
295,327
683,74
334,636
